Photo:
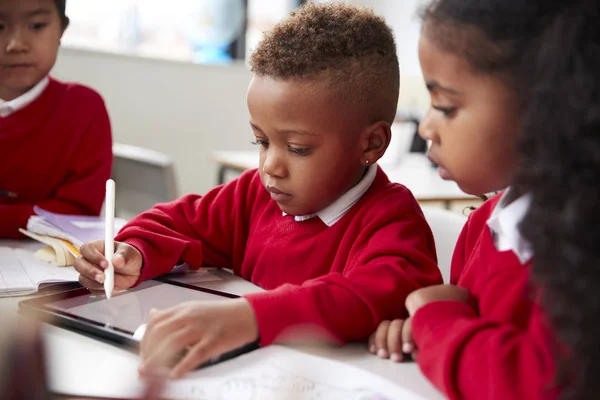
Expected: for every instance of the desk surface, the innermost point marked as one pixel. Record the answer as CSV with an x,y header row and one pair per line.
x,y
76,362
413,171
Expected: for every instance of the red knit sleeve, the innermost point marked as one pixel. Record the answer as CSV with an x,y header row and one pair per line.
x,y
209,230
82,189
471,357
393,256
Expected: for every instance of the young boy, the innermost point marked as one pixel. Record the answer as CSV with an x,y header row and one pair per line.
x,y
318,225
55,138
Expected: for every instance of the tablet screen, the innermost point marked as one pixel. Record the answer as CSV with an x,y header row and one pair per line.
x,y
117,319
125,311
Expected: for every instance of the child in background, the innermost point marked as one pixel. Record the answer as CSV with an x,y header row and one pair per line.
x,y
55,139
515,100
319,225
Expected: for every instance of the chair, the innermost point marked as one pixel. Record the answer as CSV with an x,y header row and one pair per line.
x,y
143,178
446,227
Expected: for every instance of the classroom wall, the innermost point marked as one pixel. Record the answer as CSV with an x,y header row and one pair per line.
x,y
182,109
189,110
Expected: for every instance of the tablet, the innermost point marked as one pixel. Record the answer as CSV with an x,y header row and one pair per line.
x,y
117,320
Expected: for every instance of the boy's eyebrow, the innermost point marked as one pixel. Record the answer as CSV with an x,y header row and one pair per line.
x,y
287,131
297,132
431,85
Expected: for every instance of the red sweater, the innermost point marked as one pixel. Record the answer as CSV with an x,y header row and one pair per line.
x,y
55,153
500,347
344,279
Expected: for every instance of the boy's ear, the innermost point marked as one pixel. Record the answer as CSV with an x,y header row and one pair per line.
x,y
375,139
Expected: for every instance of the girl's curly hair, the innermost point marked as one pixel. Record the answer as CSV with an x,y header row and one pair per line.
x,y
549,52
560,154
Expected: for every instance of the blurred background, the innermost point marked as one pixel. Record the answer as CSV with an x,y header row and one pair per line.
x,y
174,76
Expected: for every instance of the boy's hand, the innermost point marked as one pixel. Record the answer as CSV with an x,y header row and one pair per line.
x,y
127,261
205,329
392,339
430,294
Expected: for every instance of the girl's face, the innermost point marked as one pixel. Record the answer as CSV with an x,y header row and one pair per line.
x,y
473,122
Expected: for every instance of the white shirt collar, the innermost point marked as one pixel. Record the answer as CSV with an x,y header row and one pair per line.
x,y
9,107
336,210
504,225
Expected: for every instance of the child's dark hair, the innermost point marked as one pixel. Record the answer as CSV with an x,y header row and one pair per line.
x,y
550,52
493,36
61,6
347,46
561,168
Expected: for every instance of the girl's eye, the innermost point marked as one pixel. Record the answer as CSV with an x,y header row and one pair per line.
x,y
300,151
259,142
447,111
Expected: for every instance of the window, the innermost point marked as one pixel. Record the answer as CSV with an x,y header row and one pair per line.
x,y
211,31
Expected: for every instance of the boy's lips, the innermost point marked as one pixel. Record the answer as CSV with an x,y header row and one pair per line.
x,y
277,195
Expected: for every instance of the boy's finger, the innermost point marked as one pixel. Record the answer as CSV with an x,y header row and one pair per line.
x,y
88,270
127,259
200,353
394,340
94,253
155,317
90,284
119,260
154,387
165,351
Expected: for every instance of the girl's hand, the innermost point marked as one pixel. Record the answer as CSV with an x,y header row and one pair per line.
x,y
201,330
392,340
430,294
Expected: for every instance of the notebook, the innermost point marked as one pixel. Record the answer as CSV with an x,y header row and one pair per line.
x,y
21,273
64,234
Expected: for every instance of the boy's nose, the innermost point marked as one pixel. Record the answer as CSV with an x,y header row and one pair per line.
x,y
273,165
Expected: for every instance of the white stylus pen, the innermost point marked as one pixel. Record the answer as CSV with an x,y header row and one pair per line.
x,y
109,235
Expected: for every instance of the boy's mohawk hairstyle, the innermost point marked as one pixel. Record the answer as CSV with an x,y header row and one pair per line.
x,y
347,43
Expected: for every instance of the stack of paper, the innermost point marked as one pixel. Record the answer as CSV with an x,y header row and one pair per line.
x,y
21,273
64,234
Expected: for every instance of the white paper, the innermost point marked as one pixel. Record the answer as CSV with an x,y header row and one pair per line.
x,y
278,372
21,273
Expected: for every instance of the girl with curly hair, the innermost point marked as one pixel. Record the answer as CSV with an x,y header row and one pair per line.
x,y
515,104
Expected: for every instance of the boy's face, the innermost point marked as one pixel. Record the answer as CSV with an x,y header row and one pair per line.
x,y
473,123
309,143
30,32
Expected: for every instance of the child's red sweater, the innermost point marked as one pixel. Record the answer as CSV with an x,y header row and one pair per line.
x,y
500,347
55,153
343,279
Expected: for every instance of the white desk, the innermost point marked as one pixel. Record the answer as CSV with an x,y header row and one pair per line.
x,y
413,170
77,362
